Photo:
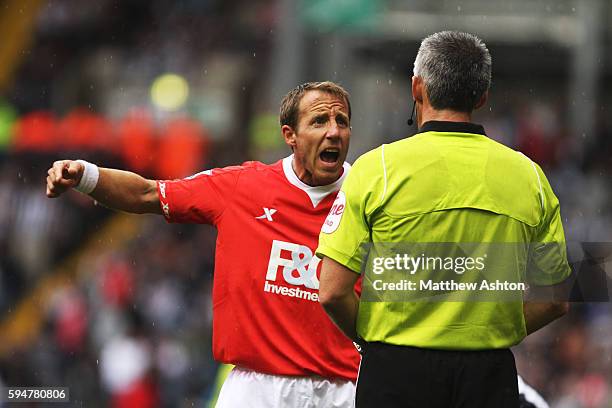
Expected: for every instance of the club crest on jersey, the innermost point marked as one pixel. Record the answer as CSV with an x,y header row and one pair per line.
x,y
332,222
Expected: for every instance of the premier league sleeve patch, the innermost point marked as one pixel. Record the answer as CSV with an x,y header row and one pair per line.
x,y
335,214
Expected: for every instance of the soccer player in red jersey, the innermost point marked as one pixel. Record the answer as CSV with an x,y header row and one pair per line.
x,y
267,318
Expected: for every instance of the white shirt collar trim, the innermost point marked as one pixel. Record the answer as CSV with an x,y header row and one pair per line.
x,y
316,193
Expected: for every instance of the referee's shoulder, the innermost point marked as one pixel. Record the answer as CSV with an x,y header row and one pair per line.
x,y
511,155
411,143
368,159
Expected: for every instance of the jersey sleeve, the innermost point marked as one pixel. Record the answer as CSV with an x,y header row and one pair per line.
x,y
201,198
549,264
346,230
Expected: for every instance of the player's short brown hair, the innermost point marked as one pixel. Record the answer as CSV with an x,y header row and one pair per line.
x,y
290,106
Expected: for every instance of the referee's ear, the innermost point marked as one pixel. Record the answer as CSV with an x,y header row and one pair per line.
x,y
483,99
417,89
289,136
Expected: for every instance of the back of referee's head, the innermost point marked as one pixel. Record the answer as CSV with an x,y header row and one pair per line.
x,y
456,70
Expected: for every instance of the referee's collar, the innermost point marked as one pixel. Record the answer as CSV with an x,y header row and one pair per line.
x,y
455,127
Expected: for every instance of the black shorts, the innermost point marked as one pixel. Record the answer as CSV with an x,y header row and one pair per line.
x,y
397,376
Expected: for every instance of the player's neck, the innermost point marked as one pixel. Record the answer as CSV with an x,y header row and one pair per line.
x,y
302,174
308,178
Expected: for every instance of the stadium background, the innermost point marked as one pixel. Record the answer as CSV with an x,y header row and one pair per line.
x,y
117,307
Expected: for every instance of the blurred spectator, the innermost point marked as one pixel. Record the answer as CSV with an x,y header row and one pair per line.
x,y
84,131
71,320
137,141
183,149
117,283
125,365
34,222
36,132
539,134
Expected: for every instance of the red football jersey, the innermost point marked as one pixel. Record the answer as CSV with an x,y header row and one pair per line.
x,y
265,294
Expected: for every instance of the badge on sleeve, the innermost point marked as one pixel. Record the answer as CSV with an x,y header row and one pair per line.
x,y
335,214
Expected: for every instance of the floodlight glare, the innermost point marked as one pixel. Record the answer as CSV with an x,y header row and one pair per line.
x,y
169,92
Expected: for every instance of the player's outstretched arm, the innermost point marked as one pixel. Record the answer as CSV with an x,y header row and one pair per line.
x,y
117,189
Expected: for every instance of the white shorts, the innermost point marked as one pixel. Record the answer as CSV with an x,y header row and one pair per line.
x,y
245,388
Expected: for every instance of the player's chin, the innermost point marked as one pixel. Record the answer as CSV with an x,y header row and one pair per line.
x,y
328,172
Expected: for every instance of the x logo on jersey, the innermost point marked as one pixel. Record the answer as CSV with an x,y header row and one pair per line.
x,y
268,212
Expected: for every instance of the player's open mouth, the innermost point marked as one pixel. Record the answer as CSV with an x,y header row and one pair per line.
x,y
330,155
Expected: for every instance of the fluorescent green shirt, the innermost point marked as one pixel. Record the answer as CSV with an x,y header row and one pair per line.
x,y
449,183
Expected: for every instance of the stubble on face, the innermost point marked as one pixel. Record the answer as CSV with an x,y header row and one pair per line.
x,y
321,138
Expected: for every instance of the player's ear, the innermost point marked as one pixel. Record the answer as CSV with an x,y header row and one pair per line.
x,y
289,135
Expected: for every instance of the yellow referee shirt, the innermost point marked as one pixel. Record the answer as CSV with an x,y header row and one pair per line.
x,y
448,184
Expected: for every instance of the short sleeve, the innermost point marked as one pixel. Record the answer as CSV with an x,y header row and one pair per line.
x,y
201,198
549,264
346,230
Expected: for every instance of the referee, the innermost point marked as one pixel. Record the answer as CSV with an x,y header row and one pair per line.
x,y
450,183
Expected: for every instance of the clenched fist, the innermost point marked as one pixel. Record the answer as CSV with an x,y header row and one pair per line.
x,y
63,175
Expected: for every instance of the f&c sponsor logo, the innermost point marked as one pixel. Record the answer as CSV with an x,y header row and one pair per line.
x,y
298,267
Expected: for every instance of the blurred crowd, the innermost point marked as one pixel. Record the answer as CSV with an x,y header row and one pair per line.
x,y
133,325
133,329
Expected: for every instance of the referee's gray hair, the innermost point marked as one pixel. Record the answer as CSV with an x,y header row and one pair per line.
x,y
455,68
